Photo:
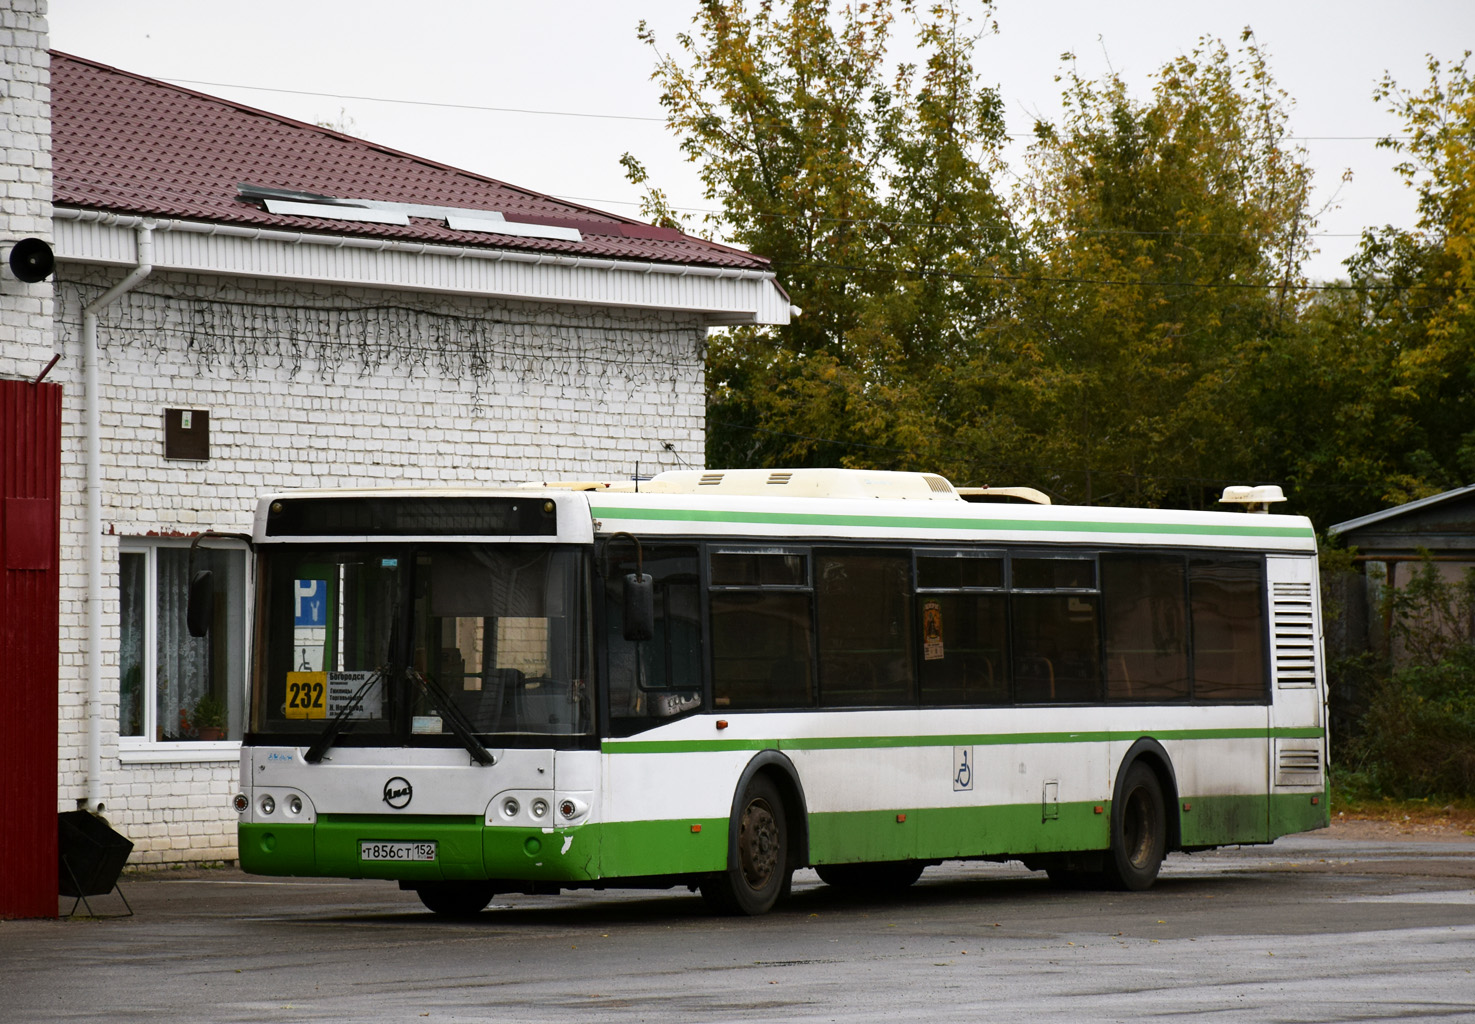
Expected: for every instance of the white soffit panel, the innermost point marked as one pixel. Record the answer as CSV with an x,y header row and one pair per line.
x,y
720,296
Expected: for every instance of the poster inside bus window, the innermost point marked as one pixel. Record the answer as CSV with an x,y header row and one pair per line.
x,y
328,694
309,625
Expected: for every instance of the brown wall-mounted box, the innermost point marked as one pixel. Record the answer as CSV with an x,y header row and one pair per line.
x,y
186,434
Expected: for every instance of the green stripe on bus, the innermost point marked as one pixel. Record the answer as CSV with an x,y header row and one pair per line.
x,y
959,740
466,848
944,523
685,846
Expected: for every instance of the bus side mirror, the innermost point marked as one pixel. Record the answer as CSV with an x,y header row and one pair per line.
x,y
640,606
200,611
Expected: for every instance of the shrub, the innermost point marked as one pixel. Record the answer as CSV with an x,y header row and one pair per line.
x,y
1417,735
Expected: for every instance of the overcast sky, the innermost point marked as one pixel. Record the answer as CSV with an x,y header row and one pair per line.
x,y
582,57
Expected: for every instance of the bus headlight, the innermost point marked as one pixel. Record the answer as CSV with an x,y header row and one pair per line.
x,y
294,805
267,804
571,808
240,803
539,807
510,807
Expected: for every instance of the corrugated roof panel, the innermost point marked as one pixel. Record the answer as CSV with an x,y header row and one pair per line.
x,y
125,143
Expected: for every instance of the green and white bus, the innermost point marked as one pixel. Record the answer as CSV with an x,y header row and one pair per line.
x,y
721,677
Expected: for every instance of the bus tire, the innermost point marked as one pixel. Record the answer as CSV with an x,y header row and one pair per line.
x,y
1139,832
459,900
758,871
887,876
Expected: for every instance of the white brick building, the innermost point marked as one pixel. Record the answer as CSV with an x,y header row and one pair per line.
x,y
355,316
25,182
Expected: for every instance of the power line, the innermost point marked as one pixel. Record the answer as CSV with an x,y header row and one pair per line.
x,y
925,224
417,103
1108,282
612,117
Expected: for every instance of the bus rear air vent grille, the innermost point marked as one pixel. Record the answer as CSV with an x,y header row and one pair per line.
x,y
1297,763
938,484
779,479
1295,635
710,479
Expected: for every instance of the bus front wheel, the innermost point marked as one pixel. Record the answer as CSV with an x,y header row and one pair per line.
x,y
758,870
1139,832
455,899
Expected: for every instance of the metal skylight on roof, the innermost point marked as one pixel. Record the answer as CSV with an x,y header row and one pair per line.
x,y
461,222
327,212
376,211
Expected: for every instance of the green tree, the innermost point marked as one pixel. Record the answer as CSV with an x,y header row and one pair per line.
x,y
868,190
1418,295
1166,243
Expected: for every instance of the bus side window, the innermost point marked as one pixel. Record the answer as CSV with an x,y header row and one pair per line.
x,y
1056,655
863,607
660,677
1055,634
762,629
1145,619
1226,596
963,623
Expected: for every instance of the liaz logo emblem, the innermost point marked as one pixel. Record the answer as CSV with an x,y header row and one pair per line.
x,y
397,792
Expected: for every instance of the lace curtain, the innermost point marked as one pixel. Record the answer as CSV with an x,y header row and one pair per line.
x,y
183,667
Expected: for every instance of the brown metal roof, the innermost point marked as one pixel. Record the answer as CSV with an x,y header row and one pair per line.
x,y
129,144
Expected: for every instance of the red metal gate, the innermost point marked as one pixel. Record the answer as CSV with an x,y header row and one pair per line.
x,y
30,525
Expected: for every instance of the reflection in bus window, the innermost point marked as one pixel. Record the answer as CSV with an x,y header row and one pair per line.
x,y
497,632
407,639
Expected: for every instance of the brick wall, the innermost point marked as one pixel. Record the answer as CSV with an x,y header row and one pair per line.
x,y
315,386
25,182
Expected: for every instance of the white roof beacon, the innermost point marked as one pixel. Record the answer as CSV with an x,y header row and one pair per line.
x,y
1254,499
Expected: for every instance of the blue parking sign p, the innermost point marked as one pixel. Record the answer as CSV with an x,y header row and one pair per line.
x,y
312,602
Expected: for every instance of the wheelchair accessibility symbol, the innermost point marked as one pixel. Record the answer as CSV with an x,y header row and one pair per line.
x,y
962,768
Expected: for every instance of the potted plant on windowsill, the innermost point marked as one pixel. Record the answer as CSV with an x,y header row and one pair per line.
x,y
209,718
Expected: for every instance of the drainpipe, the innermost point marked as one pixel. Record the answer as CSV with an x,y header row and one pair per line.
x,y
92,401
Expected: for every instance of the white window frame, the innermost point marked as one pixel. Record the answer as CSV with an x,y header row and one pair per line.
x,y
145,749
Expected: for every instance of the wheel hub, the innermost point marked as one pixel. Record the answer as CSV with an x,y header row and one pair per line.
x,y
758,844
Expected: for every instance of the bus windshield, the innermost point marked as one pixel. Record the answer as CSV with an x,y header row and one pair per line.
x,y
421,643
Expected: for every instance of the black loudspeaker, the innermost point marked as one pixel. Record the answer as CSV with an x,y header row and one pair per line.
x,y
32,260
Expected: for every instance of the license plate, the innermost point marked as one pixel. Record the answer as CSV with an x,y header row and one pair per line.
x,y
369,850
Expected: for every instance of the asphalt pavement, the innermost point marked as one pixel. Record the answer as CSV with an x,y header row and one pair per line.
x,y
1310,928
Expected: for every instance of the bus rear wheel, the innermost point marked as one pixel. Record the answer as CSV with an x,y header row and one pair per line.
x,y
455,899
758,873
1139,832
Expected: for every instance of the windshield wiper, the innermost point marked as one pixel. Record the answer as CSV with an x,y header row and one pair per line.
x,y
454,717
325,739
